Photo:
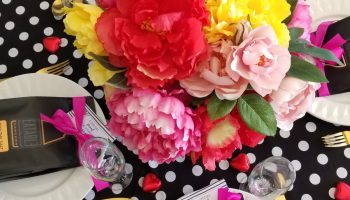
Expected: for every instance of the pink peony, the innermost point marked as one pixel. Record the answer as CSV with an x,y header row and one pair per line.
x,y
157,125
260,60
302,18
212,75
291,101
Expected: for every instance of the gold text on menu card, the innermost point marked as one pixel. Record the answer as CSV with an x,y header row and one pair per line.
x,y
4,142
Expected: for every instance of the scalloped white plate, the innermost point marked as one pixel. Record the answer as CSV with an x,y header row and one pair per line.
x,y
335,108
70,184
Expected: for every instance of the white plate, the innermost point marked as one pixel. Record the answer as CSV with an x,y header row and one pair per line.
x,y
71,184
336,108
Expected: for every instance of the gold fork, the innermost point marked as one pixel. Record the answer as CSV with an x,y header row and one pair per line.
x,y
57,69
340,139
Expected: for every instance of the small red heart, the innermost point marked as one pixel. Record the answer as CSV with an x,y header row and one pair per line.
x,y
52,44
151,183
241,162
342,191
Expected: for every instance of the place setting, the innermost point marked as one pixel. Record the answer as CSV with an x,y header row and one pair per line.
x,y
166,100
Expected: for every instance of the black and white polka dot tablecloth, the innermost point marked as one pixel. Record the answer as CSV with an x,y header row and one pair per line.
x,y
23,25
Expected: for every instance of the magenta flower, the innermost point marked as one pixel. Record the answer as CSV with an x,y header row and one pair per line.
x,y
302,18
158,126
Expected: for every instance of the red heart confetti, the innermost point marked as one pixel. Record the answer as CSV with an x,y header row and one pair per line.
x,y
151,183
241,162
342,191
52,44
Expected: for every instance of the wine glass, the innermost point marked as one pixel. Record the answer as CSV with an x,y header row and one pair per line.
x,y
105,161
271,178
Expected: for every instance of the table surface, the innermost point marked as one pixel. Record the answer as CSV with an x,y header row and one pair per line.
x,y
23,25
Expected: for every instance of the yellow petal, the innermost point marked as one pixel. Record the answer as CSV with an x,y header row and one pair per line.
x,y
98,74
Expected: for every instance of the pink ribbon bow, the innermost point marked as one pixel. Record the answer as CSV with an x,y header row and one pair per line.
x,y
225,194
334,45
62,122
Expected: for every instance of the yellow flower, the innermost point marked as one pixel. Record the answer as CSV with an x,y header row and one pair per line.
x,y
225,14
80,22
271,12
98,74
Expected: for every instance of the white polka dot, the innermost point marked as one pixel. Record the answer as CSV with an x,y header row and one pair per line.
x,y
64,42
262,141
276,151
347,152
9,25
213,181
90,195
128,168
241,177
27,64
83,82
315,179
311,127
134,198
20,10
303,145
224,164
98,94
44,5
3,69
187,189
341,172
6,1
135,151
38,47
160,195
77,54
90,63
48,31
23,36
251,158
34,20
1,40
284,134
140,182
13,52
197,170
153,164
306,197
117,188
296,164
170,176
322,159
181,159
52,59
336,124
68,71
331,192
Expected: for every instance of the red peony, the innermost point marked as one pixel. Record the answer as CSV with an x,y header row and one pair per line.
x,y
157,40
221,137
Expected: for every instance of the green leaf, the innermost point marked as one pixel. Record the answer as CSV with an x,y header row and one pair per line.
x,y
219,108
306,71
292,4
300,46
258,114
103,60
295,33
119,81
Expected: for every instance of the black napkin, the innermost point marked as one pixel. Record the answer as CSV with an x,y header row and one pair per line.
x,y
29,146
339,78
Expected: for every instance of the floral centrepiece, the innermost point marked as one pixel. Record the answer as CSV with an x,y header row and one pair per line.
x,y
199,77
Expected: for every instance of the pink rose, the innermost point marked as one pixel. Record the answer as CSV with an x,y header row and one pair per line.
x,y
291,101
302,18
212,75
158,126
260,60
